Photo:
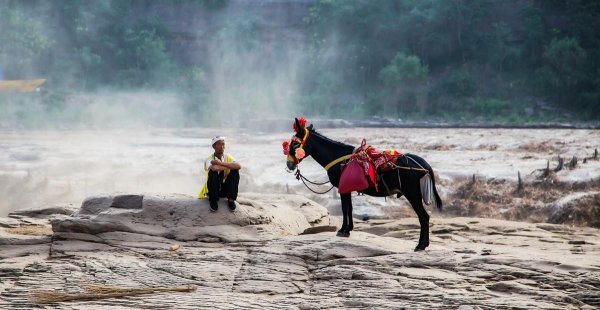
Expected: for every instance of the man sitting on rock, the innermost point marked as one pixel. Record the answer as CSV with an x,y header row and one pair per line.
x,y
222,176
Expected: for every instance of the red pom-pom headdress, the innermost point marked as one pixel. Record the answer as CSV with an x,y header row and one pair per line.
x,y
300,153
286,147
302,122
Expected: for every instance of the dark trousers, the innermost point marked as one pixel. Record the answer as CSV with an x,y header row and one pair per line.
x,y
217,188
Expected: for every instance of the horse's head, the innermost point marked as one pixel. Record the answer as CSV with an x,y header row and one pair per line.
x,y
295,149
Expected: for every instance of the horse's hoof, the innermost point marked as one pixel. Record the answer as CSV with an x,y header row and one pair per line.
x,y
343,234
421,246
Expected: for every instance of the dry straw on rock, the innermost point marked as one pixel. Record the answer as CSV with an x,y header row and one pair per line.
x,y
93,292
30,230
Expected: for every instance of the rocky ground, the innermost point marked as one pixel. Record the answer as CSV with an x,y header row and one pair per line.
x,y
278,252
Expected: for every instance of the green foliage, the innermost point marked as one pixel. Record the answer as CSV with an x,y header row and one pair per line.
x,y
504,53
143,58
472,59
565,56
492,106
403,69
242,32
402,80
459,84
509,46
214,4
23,41
563,72
209,4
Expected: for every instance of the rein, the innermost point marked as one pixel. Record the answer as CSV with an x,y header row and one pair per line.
x,y
299,176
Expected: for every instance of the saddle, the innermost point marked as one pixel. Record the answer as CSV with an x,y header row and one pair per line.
x,y
370,162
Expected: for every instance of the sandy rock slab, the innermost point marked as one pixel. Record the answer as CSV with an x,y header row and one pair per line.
x,y
472,263
184,218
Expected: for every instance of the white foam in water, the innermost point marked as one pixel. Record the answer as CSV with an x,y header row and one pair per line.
x,y
45,168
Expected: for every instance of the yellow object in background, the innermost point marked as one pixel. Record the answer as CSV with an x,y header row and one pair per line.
x,y
20,85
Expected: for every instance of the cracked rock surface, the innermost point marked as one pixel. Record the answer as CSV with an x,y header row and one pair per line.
x,y
184,218
472,263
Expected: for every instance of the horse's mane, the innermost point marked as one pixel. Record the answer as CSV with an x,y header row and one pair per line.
x,y
338,143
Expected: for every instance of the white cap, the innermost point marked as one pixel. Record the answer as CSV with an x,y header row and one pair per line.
x,y
217,138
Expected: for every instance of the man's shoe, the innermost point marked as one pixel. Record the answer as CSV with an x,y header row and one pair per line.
x,y
231,204
214,206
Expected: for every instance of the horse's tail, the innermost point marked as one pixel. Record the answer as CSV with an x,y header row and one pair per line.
x,y
438,200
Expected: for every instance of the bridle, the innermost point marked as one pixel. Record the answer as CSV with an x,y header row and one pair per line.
x,y
299,154
296,160
302,142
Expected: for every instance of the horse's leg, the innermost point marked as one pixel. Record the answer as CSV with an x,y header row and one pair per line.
x,y
417,204
344,231
350,217
344,220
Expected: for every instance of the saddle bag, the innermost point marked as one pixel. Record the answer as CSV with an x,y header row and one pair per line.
x,y
353,178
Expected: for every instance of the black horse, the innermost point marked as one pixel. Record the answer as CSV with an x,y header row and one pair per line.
x,y
403,180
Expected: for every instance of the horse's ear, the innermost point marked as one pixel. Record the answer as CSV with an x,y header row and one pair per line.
x,y
299,124
310,126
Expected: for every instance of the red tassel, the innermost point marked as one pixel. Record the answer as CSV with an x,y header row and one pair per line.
x,y
302,122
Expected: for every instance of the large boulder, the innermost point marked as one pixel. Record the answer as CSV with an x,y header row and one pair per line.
x,y
258,217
